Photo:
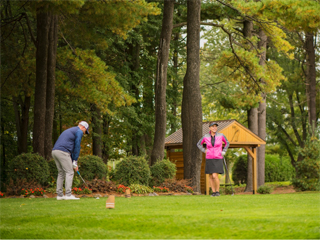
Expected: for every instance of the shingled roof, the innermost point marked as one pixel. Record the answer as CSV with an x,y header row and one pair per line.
x,y
177,137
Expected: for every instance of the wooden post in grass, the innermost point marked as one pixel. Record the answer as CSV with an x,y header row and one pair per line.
x,y
127,194
110,201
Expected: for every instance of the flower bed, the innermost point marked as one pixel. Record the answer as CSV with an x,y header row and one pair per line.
x,y
36,192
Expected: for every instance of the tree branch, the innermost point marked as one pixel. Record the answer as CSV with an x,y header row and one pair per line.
x,y
30,31
292,119
24,49
61,34
287,135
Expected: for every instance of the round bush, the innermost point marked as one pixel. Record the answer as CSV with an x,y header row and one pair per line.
x,y
29,166
132,170
91,167
53,170
240,169
276,169
265,189
308,177
161,171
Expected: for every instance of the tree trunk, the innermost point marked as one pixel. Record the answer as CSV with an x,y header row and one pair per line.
x,y
105,149
311,80
96,132
191,113
262,45
252,113
134,51
55,133
161,83
22,122
43,25
3,159
175,83
51,78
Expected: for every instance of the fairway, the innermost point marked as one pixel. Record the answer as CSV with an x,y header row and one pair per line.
x,y
287,216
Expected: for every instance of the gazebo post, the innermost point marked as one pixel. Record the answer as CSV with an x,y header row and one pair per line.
x,y
253,154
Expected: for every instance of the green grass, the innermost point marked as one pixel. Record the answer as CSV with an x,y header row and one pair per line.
x,y
286,216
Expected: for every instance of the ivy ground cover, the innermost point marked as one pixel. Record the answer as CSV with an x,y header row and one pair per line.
x,y
286,216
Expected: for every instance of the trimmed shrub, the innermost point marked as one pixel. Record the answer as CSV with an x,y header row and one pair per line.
x,y
91,167
132,170
308,178
52,169
228,190
276,169
29,166
265,189
239,170
161,171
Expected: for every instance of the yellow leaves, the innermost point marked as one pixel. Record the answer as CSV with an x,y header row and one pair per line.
x,y
87,77
244,72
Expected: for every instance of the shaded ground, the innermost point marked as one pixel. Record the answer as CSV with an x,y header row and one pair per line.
x,y
276,190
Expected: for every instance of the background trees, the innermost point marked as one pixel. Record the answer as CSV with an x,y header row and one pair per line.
x,y
62,62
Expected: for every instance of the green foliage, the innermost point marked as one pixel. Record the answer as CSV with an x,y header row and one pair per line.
x,y
231,64
52,169
29,166
91,167
94,81
278,169
140,189
308,169
227,190
132,170
293,14
240,169
265,189
161,171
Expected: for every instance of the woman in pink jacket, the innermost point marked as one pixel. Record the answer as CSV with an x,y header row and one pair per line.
x,y
214,155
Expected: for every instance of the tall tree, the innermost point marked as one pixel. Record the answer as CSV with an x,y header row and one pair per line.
x,y
51,76
43,28
252,112
311,84
161,82
191,113
262,112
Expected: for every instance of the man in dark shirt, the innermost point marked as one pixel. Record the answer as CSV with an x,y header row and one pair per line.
x,y
66,153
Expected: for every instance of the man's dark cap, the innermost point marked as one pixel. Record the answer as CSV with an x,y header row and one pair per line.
x,y
213,123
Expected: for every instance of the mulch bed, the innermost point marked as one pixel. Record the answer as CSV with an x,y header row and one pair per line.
x,y
238,191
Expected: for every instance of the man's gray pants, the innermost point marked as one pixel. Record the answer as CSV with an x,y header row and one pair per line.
x,y
65,171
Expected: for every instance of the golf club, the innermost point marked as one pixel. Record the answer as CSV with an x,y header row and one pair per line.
x,y
86,185
225,164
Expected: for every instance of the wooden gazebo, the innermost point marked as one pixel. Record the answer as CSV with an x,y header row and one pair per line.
x,y
238,136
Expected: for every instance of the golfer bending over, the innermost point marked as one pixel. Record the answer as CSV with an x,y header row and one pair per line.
x,y
65,153
214,155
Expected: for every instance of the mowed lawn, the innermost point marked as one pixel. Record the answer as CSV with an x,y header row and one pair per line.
x,y
286,216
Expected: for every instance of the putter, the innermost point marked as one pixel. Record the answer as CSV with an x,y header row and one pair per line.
x,y
225,164
86,185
